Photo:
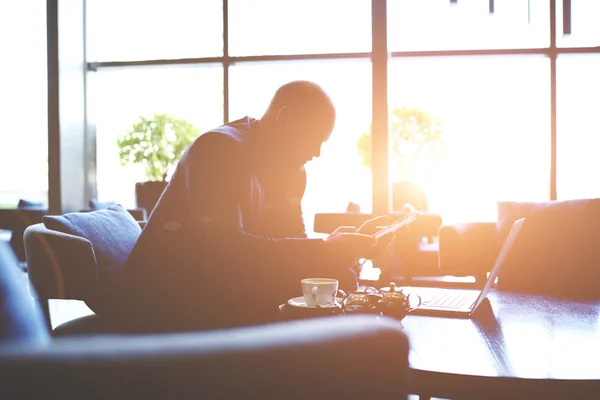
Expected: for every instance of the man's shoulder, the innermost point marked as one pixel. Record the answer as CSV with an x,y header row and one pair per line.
x,y
229,136
237,130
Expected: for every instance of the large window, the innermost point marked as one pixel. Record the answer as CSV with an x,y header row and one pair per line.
x,y
484,75
122,96
478,127
23,103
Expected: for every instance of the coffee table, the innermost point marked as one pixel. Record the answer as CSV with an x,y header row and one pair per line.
x,y
514,346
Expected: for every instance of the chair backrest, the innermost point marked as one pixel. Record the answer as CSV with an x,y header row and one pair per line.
x,y
80,255
558,250
406,192
16,220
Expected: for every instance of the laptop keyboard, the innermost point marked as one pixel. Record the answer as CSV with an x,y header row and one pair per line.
x,y
448,299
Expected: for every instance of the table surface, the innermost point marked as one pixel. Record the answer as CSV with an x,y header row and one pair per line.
x,y
512,336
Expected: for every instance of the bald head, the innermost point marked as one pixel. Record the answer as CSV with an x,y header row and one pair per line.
x,y
306,100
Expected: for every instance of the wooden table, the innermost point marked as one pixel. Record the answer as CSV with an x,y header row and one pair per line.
x,y
514,346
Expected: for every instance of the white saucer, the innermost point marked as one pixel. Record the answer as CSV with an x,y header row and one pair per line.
x,y
300,303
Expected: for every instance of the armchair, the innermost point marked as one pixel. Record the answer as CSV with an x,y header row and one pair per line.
x,y
325,358
556,252
72,256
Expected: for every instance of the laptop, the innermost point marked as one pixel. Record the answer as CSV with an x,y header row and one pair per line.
x,y
461,302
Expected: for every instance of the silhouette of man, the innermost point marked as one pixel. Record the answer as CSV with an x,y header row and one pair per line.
x,y
226,242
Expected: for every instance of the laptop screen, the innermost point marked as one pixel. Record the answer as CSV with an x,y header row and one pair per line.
x,y
508,244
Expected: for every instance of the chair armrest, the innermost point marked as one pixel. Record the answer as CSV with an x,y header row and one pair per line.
x,y
322,358
468,248
60,266
427,225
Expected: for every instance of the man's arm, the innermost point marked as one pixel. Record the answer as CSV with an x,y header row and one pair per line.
x,y
282,215
216,182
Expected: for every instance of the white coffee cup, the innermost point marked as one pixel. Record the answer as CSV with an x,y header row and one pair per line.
x,y
319,291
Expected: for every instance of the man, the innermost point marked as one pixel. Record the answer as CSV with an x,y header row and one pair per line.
x,y
226,242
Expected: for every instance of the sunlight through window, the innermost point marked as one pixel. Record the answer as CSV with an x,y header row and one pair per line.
x,y
24,103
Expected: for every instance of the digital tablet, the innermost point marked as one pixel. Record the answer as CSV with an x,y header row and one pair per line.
x,y
394,227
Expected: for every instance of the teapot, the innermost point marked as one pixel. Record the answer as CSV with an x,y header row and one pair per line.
x,y
394,303
360,301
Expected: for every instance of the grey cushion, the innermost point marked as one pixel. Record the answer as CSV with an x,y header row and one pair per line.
x,y
112,232
557,250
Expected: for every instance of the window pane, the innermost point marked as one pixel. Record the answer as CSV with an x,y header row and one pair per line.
x,y
121,97
578,130
337,177
494,118
23,103
267,27
153,29
440,25
585,30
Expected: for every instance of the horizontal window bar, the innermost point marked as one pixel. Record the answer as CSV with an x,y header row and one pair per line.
x,y
94,66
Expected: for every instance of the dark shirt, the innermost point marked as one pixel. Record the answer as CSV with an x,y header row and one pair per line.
x,y
227,234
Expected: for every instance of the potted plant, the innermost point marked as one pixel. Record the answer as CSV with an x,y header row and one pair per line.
x,y
415,138
157,143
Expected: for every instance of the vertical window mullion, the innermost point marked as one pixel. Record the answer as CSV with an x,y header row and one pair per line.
x,y
379,135
553,134
225,61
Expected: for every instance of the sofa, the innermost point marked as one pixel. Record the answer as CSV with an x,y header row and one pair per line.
x,y
556,253
333,357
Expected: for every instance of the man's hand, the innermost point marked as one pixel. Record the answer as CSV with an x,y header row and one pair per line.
x,y
347,245
373,225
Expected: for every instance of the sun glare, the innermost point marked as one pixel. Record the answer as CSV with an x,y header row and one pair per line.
x,y
493,112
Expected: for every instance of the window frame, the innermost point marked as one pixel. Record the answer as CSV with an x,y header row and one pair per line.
x,y
379,57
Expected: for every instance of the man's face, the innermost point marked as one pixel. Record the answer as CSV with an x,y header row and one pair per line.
x,y
300,139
